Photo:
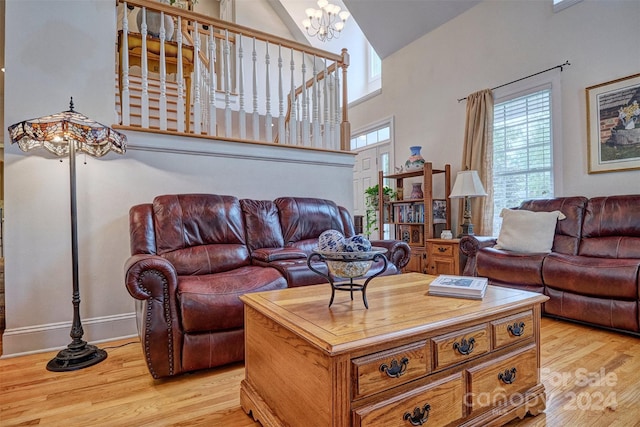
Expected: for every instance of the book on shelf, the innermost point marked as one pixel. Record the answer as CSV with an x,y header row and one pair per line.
x,y
459,286
414,212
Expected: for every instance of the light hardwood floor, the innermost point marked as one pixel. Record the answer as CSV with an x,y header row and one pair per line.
x,y
592,378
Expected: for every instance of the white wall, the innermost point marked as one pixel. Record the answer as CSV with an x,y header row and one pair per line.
x,y
497,42
56,49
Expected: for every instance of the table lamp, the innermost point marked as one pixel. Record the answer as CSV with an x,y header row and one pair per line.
x,y
467,185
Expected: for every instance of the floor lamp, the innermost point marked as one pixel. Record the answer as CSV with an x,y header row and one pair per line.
x,y
467,185
65,134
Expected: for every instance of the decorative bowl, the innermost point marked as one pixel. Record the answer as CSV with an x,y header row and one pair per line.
x,y
350,264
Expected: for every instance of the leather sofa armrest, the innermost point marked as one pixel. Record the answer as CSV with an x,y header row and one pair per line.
x,y
398,251
469,246
153,280
277,254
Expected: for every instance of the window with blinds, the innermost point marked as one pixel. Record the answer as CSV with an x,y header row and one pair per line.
x,y
522,151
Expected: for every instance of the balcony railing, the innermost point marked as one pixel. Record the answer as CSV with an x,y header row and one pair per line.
x,y
184,72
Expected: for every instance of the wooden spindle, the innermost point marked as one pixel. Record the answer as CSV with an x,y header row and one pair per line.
x,y
212,83
145,72
163,75
241,114
256,117
227,85
181,119
305,105
326,140
293,122
316,107
281,131
125,101
197,102
268,120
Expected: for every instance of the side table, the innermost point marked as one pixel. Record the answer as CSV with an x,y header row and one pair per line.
x,y
443,257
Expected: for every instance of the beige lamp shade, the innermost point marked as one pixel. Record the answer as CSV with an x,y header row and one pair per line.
x,y
467,185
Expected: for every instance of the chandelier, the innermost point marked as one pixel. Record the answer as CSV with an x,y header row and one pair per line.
x,y
326,22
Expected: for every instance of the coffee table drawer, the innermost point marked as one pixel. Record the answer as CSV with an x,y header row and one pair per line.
x,y
439,403
387,369
496,382
512,329
459,346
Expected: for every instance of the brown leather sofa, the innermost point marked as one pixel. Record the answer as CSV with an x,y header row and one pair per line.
x,y
592,272
193,255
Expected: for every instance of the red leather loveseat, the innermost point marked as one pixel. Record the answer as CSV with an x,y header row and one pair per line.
x,y
592,272
193,255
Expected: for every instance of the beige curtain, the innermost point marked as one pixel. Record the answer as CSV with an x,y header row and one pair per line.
x,y
478,155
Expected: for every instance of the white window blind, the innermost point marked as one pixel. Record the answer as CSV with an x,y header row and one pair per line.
x,y
522,151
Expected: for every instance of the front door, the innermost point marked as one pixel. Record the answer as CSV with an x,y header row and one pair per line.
x,y
365,174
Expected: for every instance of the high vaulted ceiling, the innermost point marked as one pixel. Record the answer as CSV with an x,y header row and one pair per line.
x,y
390,25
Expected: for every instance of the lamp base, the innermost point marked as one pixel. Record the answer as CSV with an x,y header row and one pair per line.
x,y
467,230
72,359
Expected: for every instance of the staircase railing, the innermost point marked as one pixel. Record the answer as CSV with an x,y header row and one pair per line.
x,y
196,74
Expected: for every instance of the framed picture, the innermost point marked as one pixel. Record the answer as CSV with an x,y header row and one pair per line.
x,y
439,211
613,125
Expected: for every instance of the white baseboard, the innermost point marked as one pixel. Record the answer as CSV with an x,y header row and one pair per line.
x,y
55,336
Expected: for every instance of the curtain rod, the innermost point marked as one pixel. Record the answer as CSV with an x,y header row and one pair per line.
x,y
566,63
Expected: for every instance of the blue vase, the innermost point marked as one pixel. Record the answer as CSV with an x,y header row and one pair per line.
x,y
415,161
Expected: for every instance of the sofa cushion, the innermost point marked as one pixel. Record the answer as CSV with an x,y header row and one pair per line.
x,y
568,231
612,227
277,254
599,277
527,231
509,267
262,222
200,233
306,218
211,302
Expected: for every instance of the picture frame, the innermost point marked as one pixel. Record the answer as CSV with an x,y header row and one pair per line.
x,y
417,235
613,125
439,211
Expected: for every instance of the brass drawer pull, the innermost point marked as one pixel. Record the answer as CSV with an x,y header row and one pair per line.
x,y
508,376
419,417
396,370
464,347
517,329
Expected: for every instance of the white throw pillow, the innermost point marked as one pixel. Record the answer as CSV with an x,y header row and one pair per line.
x,y
527,231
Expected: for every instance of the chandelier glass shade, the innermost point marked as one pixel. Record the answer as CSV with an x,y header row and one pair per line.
x,y
326,22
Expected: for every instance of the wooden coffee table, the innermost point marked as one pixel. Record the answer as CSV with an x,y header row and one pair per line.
x,y
410,359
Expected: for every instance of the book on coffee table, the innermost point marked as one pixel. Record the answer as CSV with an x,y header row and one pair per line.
x,y
459,286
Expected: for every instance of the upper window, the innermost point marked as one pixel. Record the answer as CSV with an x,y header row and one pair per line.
x,y
522,151
370,137
375,65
